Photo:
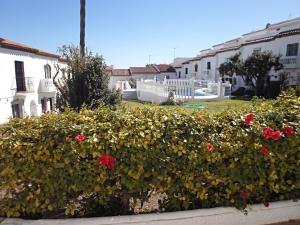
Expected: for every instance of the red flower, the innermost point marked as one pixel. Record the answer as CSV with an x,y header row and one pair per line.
x,y
107,161
266,204
210,147
288,131
265,151
80,137
267,133
248,119
244,194
276,135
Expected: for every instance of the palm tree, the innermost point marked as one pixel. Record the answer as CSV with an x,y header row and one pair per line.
x,y
82,27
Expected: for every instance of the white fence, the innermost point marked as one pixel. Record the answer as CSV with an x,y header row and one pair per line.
x,y
183,89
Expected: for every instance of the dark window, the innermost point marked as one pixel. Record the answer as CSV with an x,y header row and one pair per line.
x,y
179,74
17,110
47,69
292,49
186,70
44,105
208,65
51,104
20,77
196,68
256,50
234,81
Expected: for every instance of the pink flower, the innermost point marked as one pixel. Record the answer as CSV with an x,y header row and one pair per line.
x,y
276,135
248,119
265,151
107,161
267,133
210,147
80,138
289,131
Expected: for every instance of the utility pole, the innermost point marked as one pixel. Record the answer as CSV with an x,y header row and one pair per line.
x,y
174,53
149,59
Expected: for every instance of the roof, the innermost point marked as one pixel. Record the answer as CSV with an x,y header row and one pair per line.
x,y
179,61
143,70
5,43
120,72
165,68
254,40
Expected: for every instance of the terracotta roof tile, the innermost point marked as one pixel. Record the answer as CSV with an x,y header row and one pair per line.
x,y
165,68
142,70
120,72
4,43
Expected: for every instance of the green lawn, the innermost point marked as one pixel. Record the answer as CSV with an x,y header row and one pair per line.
x,y
212,107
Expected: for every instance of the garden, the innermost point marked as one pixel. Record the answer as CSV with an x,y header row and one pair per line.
x,y
107,160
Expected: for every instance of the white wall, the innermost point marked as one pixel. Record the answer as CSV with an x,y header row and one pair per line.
x,y
145,76
33,67
114,79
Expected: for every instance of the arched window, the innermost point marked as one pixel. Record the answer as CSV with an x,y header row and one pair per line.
x,y
196,68
47,68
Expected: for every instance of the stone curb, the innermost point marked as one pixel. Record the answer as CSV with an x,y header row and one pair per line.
x,y
258,215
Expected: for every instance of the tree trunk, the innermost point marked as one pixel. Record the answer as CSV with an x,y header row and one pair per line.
x,y
82,28
260,86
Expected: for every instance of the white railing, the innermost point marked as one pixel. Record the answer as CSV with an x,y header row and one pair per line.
x,y
46,86
183,89
23,85
290,62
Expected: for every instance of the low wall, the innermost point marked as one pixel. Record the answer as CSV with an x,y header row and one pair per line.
x,y
258,215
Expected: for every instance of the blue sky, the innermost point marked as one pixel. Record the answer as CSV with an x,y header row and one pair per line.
x,y
126,32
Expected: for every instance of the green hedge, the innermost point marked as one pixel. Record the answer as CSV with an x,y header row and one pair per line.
x,y
197,160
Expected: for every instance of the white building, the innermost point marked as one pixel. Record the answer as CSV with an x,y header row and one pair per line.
x,y
281,38
160,72
27,88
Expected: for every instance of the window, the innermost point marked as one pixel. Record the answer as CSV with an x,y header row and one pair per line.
x,y
20,77
44,105
47,104
292,49
47,69
196,68
234,82
186,70
179,74
256,50
17,110
208,65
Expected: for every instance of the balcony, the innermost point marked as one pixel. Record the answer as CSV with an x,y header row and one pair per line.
x,y
290,62
23,85
46,86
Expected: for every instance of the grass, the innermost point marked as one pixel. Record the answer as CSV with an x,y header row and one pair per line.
x,y
212,107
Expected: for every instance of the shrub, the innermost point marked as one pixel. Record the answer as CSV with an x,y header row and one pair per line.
x,y
76,163
84,82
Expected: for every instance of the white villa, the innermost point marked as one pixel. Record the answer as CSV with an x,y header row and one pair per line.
x,y
27,89
281,38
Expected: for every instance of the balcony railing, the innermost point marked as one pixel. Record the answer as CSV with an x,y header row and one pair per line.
x,y
23,85
46,86
290,61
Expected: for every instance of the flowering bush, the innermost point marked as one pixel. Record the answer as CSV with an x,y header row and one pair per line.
x,y
224,159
